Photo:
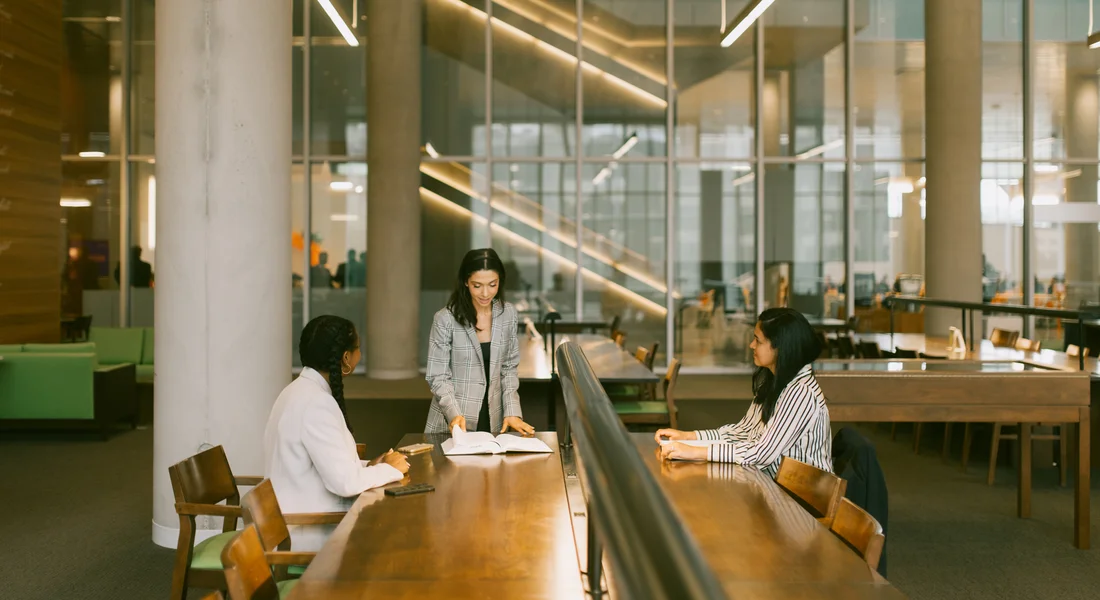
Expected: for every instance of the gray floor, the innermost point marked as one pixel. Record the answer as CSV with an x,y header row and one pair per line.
x,y
75,522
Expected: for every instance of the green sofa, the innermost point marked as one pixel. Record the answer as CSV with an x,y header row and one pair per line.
x,y
118,345
63,386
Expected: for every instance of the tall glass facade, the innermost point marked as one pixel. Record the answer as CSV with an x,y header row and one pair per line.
x,y
625,164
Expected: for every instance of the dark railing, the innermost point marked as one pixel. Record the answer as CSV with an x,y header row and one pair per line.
x,y
628,514
1006,309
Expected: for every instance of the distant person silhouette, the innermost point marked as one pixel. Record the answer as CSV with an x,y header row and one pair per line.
x,y
141,272
319,275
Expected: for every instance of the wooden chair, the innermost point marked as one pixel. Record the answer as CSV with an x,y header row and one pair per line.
x,y
618,320
903,353
1061,435
869,349
1028,346
845,347
818,491
619,338
261,508
652,356
859,530
1074,351
247,574
654,412
1003,338
640,354
200,484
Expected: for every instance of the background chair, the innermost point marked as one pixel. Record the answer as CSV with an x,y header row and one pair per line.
x,y
654,412
818,491
200,483
261,508
1004,338
859,530
247,574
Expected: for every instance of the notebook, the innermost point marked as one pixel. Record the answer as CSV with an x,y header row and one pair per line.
x,y
481,442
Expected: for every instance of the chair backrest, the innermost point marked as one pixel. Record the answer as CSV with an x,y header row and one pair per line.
x,y
819,491
1028,345
823,341
247,574
206,478
930,356
652,355
620,338
615,325
1003,338
214,596
845,347
261,508
853,323
672,375
640,354
859,530
1075,351
903,353
869,349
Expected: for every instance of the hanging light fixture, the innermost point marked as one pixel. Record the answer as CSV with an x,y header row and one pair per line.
x,y
745,20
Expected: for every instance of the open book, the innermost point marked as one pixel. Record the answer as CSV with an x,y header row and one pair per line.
x,y
480,442
693,442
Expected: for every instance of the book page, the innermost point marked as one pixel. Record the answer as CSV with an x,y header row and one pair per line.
x,y
515,443
693,442
470,442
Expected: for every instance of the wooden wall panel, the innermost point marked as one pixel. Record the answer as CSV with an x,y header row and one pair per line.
x,y
30,171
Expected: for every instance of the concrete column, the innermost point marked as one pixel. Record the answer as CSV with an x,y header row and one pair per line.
x,y
909,251
953,101
393,180
223,339
1082,130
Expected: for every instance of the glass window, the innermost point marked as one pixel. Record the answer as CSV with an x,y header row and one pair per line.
x,y
143,242
889,80
91,85
338,86
715,258
90,234
889,239
1066,106
534,80
804,238
624,248
453,72
804,85
624,79
1002,80
1002,203
142,78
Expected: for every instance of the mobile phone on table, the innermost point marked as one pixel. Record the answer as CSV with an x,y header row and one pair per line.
x,y
412,449
414,488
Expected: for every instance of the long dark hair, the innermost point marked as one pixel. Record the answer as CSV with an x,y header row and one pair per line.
x,y
461,304
795,346
324,341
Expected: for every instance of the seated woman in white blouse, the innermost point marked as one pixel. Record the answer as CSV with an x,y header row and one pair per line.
x,y
309,450
788,416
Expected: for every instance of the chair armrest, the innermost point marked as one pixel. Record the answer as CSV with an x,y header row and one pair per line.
x,y
286,557
249,480
212,510
361,450
325,518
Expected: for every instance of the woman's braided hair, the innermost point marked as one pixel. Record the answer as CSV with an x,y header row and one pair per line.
x,y
324,341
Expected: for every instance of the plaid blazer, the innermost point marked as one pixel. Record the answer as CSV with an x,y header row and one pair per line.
x,y
456,374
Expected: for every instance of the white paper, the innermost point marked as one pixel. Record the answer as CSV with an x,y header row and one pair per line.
x,y
481,442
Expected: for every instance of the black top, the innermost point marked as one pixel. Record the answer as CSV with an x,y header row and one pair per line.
x,y
483,414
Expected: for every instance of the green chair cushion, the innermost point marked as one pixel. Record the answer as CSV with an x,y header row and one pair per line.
x,y
641,408
116,346
208,553
147,346
295,570
11,349
145,373
285,586
80,348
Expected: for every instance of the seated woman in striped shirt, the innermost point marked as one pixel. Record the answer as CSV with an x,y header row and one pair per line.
x,y
788,416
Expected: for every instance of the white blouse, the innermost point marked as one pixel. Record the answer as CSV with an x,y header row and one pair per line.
x,y
798,428
310,457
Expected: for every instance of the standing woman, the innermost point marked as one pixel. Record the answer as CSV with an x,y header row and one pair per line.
x,y
309,452
788,416
473,353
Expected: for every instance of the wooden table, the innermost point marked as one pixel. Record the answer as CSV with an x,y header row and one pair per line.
x,y
827,324
495,527
916,390
937,346
611,363
760,543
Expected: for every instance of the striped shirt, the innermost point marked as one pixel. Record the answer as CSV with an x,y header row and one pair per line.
x,y
799,428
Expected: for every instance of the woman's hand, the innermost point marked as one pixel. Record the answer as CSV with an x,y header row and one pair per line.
x,y
380,458
460,421
674,435
517,424
397,461
676,450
